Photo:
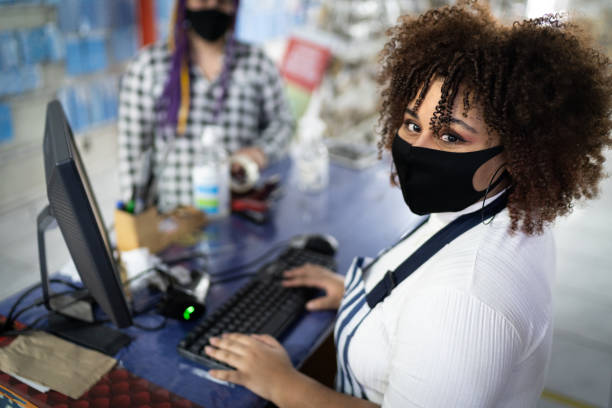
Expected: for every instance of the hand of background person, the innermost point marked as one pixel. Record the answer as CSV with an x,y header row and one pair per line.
x,y
318,277
262,364
255,154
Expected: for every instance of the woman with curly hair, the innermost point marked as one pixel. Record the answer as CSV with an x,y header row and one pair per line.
x,y
495,131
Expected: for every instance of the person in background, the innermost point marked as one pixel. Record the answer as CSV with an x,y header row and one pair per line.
x,y
495,131
201,76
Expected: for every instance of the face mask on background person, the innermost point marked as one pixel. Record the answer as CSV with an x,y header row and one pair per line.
x,y
210,24
438,181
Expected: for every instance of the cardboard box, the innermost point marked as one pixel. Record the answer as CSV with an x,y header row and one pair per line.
x,y
153,230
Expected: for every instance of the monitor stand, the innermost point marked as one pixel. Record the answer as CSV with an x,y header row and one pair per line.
x,y
73,317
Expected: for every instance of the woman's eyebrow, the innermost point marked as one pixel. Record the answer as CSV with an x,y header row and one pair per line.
x,y
463,124
411,113
453,120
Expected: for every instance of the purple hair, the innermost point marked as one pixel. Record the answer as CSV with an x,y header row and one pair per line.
x,y
170,101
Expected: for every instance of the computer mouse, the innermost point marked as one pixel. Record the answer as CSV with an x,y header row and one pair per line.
x,y
322,243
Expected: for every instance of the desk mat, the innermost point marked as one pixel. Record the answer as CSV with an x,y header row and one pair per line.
x,y
118,388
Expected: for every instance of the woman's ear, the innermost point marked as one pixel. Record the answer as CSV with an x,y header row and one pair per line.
x,y
489,172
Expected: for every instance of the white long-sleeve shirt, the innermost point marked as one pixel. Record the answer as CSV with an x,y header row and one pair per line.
x,y
472,327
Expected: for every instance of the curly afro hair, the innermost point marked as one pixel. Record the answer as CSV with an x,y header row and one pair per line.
x,y
541,87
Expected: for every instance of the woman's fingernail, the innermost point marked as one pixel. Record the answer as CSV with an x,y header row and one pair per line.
x,y
208,349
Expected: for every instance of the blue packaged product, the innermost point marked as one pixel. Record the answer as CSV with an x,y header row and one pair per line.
x,y
94,15
104,96
17,80
96,103
33,45
75,56
30,77
95,45
82,99
10,81
9,50
54,43
66,97
68,13
124,13
111,97
6,124
75,100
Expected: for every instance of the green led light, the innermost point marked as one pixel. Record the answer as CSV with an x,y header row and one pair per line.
x,y
187,313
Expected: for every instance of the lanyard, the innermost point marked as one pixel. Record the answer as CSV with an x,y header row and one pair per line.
x,y
431,247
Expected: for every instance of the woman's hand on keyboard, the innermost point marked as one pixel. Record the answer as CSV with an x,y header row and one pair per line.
x,y
262,364
318,277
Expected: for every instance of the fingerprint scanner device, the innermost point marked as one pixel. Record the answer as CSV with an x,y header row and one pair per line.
x,y
180,305
185,293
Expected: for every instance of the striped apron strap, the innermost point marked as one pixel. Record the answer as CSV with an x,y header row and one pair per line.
x,y
353,310
431,247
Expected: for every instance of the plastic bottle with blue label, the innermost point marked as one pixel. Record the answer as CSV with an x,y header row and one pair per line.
x,y
211,175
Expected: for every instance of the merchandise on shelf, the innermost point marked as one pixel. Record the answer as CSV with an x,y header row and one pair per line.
x,y
90,104
264,20
6,124
21,79
9,50
85,54
54,42
33,45
84,15
355,31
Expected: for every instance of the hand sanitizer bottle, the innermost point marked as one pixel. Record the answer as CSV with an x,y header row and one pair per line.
x,y
310,153
211,175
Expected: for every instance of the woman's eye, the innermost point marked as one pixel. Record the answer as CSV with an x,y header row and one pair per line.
x,y
450,138
412,127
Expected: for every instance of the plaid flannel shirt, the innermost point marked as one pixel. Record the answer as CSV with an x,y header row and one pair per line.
x,y
255,113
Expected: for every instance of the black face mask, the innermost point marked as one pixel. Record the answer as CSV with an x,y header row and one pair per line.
x,y
210,24
437,181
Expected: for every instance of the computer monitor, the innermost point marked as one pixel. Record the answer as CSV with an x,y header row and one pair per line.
x,y
73,205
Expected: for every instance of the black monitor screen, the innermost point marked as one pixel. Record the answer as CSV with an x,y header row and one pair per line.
x,y
74,206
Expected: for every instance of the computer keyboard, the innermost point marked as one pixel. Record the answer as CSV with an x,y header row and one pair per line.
x,y
261,306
